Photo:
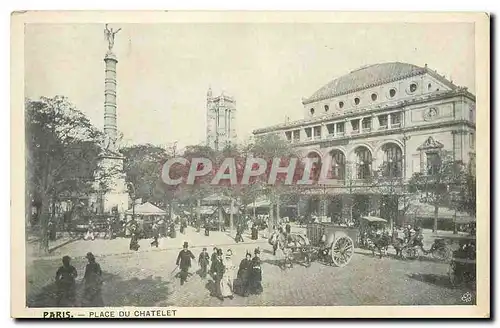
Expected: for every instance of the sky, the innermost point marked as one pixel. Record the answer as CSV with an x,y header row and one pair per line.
x,y
164,70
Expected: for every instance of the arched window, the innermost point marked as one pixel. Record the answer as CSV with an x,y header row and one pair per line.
x,y
338,165
315,167
393,161
363,162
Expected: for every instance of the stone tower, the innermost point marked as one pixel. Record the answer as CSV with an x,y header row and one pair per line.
x,y
221,118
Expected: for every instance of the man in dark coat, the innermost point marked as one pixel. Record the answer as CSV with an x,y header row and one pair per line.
x,y
239,232
218,273
244,273
203,261
65,281
93,282
207,229
184,262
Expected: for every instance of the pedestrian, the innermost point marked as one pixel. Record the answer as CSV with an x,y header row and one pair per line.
x,y
228,276
52,231
207,229
93,282
239,232
66,282
244,273
213,259
162,231
203,261
90,231
156,232
184,262
218,273
134,241
109,229
255,285
172,230
255,232
288,229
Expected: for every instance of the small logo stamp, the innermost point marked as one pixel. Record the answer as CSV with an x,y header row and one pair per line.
x,y
467,297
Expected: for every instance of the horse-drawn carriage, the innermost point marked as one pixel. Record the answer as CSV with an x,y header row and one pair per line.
x,y
326,242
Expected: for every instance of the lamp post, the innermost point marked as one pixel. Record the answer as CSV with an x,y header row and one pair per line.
x,y
132,188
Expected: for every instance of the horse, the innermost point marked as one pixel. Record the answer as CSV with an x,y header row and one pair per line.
x,y
288,244
380,242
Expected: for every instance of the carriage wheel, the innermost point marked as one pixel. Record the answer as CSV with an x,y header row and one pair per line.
x,y
407,253
442,254
342,251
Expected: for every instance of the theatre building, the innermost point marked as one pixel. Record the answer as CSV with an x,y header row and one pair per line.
x,y
385,120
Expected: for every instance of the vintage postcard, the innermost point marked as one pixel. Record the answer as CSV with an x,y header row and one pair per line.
x,y
250,164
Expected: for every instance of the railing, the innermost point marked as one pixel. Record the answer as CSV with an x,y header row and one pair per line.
x,y
383,127
395,125
355,131
367,129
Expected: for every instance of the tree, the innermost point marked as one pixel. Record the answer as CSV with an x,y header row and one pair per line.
x,y
62,149
269,147
142,167
466,201
436,185
394,189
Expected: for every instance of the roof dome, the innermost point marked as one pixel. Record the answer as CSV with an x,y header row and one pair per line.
x,y
366,77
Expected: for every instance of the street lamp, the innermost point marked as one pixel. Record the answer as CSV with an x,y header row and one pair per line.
x,y
132,187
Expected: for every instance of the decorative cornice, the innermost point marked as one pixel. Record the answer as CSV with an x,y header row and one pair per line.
x,y
369,111
366,86
341,140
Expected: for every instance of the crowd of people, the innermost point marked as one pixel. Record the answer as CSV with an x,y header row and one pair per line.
x,y
227,279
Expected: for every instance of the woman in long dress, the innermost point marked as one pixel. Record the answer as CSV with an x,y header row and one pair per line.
x,y
256,274
228,276
244,273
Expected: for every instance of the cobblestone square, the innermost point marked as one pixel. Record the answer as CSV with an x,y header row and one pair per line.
x,y
148,279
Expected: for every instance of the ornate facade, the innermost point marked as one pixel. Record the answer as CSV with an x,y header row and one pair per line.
x,y
389,119
221,117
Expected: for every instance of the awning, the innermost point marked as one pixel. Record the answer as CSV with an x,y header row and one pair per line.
x,y
261,203
373,219
216,198
146,209
207,210
227,210
419,209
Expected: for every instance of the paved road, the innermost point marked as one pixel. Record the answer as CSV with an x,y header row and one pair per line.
x,y
145,279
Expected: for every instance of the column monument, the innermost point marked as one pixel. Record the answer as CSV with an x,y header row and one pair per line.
x,y
115,195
